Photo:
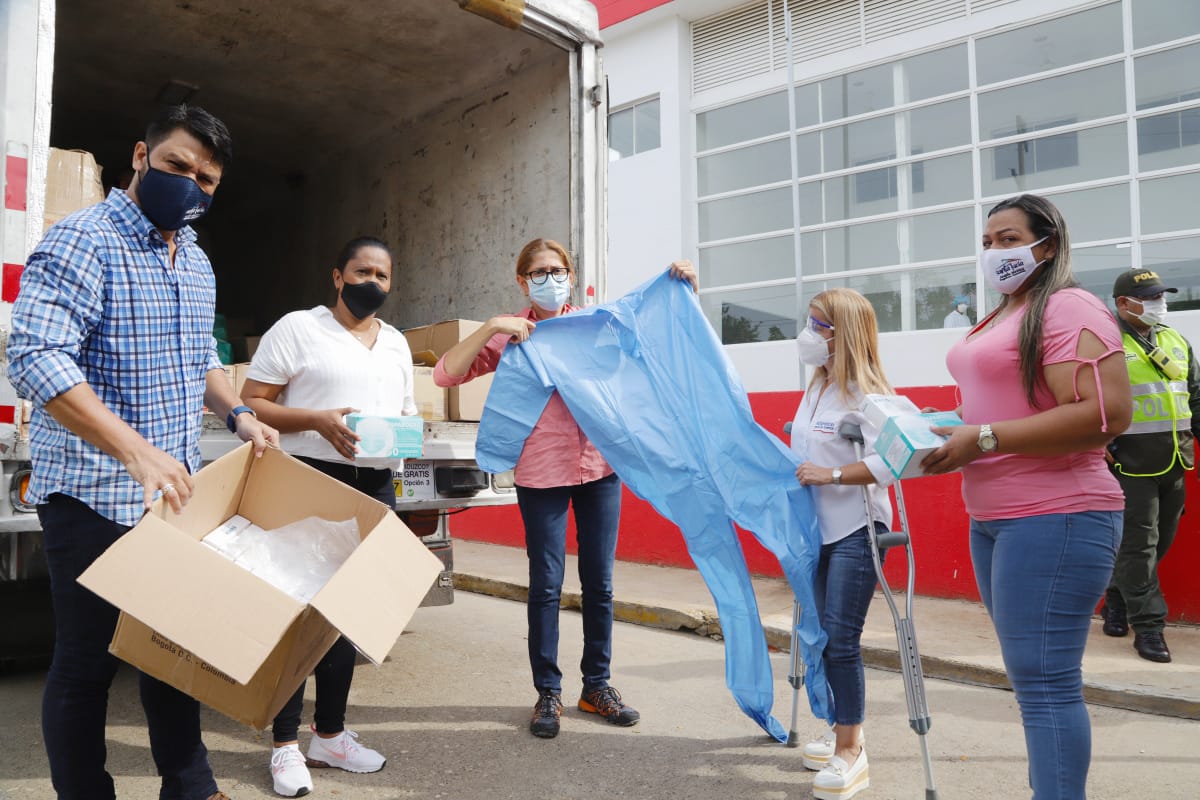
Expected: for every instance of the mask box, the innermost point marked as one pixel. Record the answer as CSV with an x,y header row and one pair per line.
x,y
386,440
905,439
878,407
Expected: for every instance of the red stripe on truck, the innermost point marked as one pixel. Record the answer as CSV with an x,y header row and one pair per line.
x,y
11,282
16,170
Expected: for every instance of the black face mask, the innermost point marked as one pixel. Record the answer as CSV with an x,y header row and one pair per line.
x,y
171,201
363,299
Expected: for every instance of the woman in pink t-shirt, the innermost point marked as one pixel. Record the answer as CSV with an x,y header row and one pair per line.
x,y
1044,389
559,469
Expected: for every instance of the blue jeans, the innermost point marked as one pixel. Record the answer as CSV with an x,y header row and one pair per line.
x,y
1040,578
597,507
335,671
844,585
75,702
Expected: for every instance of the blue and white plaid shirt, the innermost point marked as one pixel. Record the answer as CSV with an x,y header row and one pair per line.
x,y
100,303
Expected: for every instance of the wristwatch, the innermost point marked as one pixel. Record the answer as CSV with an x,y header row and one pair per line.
x,y
987,440
837,476
231,420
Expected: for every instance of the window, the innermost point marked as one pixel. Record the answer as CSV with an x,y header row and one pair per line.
x,y
634,130
897,164
1036,155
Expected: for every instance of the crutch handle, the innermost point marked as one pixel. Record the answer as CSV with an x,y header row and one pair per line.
x,y
891,539
848,430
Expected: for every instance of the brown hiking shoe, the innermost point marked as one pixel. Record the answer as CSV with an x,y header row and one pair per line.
x,y
219,796
546,712
606,701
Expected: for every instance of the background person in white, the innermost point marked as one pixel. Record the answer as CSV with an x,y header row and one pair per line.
x,y
311,369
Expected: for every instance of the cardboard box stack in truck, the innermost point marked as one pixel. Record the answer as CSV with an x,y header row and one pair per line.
x,y
455,130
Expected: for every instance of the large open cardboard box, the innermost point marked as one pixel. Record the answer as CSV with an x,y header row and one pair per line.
x,y
429,343
197,621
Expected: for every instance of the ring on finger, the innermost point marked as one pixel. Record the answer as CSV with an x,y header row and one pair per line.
x,y
168,487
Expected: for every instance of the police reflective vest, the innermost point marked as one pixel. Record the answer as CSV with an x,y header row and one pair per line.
x,y
1159,404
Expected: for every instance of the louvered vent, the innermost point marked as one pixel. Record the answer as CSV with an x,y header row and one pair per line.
x,y
984,5
730,46
886,18
819,27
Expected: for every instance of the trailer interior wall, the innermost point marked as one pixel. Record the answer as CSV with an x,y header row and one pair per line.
x,y
443,133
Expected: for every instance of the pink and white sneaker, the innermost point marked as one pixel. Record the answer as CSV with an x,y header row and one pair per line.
x,y
344,752
289,772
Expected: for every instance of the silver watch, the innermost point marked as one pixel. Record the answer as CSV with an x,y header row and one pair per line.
x,y
837,476
987,440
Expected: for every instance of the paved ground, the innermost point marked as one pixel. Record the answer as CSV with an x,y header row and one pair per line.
x,y
955,637
450,709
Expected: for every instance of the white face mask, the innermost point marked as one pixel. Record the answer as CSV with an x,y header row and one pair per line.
x,y
1005,271
814,349
1153,311
962,308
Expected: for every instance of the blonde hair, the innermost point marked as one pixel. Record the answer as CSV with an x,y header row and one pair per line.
x,y
856,359
541,245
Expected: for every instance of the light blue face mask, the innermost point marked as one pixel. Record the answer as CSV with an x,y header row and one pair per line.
x,y
551,295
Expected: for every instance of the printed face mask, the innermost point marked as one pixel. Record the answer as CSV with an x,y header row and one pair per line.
x,y
171,201
814,349
551,295
1006,271
363,299
1154,312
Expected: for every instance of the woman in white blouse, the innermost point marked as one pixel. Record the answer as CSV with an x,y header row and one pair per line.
x,y
311,369
840,340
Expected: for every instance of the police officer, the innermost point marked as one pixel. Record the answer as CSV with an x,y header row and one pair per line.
x,y
1149,459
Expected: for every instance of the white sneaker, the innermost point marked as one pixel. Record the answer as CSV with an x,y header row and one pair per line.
x,y
290,774
344,752
818,752
839,781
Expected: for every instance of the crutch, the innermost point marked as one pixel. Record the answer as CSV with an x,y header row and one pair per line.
x,y
796,665
906,634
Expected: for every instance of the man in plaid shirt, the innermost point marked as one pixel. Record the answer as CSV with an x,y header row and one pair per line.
x,y
112,341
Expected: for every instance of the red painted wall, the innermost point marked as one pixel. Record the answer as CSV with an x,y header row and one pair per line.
x,y
614,11
935,514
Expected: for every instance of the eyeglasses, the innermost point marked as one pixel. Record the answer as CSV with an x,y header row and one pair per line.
x,y
538,276
816,325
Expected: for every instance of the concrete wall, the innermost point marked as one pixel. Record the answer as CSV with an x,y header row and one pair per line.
x,y
456,193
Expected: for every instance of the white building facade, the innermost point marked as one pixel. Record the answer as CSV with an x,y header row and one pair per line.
x,y
869,152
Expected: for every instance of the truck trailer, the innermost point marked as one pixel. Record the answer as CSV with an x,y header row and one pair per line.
x,y
455,130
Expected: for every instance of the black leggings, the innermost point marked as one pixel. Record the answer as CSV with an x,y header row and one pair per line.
x,y
335,671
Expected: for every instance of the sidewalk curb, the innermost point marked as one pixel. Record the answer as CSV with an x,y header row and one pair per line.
x,y
704,622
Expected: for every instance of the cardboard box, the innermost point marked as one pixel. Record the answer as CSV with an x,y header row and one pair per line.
x,y
72,183
430,398
386,440
237,376
878,407
905,440
199,622
429,343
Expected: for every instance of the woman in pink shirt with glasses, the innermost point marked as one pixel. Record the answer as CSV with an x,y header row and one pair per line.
x,y
1044,388
558,469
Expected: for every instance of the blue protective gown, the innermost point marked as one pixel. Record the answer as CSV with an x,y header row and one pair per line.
x,y
647,381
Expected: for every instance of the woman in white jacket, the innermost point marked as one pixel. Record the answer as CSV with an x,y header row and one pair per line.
x,y
841,341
